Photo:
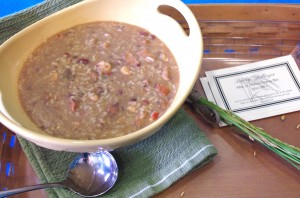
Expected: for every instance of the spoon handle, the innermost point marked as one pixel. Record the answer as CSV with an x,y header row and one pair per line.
x,y
28,188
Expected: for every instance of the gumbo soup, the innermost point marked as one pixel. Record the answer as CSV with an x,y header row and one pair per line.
x,y
98,80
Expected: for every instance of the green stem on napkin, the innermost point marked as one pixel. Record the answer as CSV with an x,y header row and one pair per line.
x,y
288,152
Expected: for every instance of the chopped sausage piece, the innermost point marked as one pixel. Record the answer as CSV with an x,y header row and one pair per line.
x,y
130,59
146,55
67,54
104,67
105,45
113,109
165,74
163,104
154,115
143,33
83,61
163,89
125,70
163,57
145,83
145,102
143,114
149,59
93,96
73,104
131,108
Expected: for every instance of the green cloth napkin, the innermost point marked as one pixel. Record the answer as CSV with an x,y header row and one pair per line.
x,y
145,168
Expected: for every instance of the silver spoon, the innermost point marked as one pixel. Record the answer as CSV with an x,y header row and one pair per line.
x,y
90,175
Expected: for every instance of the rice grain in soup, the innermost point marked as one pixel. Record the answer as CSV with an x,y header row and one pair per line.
x,y
98,80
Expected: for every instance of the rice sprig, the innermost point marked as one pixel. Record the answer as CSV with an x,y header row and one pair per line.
x,y
288,152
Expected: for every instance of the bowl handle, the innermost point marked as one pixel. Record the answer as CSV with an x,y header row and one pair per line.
x,y
195,33
191,45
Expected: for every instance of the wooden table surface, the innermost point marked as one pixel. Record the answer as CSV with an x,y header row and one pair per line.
x,y
242,168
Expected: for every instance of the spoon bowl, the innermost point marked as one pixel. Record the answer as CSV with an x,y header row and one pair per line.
x,y
92,174
89,175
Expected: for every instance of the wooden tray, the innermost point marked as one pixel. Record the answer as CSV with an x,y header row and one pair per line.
x,y
233,35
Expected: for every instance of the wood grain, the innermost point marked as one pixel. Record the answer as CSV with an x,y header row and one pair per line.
x,y
242,168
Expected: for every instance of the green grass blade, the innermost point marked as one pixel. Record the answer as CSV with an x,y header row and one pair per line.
x,y
288,152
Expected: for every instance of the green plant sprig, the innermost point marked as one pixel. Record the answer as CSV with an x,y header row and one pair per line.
x,y
288,152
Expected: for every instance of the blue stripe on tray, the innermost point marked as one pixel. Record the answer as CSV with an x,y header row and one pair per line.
x,y
229,50
9,169
12,142
206,51
255,49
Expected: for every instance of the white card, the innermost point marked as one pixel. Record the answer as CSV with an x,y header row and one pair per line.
x,y
257,90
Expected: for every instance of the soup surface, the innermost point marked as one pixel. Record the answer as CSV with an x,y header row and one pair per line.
x,y
98,80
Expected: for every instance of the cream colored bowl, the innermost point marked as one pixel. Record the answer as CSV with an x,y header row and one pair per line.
x,y
144,13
